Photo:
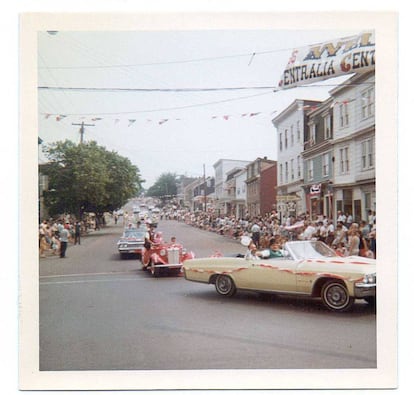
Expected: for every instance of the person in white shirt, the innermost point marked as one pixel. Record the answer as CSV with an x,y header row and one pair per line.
x,y
309,231
252,253
341,217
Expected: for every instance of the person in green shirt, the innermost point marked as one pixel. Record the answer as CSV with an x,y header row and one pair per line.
x,y
275,251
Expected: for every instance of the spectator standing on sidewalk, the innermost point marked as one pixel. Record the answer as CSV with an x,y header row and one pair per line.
x,y
64,239
77,232
353,240
255,229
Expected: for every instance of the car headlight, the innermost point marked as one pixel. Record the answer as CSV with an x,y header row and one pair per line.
x,y
163,252
370,278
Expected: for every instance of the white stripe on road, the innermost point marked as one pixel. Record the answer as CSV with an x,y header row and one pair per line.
x,y
83,281
90,281
85,274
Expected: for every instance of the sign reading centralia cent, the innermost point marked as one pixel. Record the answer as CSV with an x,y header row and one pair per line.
x,y
355,54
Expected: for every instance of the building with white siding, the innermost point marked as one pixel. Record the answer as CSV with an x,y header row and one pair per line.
x,y
354,190
290,125
318,169
221,168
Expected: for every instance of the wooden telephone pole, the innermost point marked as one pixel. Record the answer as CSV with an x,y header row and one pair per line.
x,y
82,129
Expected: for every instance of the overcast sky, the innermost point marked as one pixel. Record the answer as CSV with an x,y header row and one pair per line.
x,y
141,115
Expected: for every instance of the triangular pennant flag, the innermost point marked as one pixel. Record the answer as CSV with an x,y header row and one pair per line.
x,y
131,121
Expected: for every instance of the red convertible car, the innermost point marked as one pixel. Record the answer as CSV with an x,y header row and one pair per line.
x,y
165,258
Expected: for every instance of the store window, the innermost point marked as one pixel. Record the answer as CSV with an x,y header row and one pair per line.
x,y
357,211
347,196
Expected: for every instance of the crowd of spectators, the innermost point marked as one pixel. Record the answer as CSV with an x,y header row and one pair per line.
x,y
346,237
55,232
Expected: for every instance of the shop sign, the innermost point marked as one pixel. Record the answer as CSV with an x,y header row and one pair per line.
x,y
315,189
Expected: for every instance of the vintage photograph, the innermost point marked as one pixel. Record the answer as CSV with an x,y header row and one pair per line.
x,y
204,193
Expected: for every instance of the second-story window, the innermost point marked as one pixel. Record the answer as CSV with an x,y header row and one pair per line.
x,y
344,160
286,138
292,137
298,131
292,170
327,127
298,166
367,107
310,169
367,158
325,165
280,142
286,172
281,173
312,140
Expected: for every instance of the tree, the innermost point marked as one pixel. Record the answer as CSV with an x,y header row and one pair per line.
x,y
165,186
87,177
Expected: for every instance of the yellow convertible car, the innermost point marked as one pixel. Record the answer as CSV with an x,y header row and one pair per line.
x,y
308,268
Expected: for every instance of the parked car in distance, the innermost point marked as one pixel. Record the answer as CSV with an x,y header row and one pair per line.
x,y
308,268
131,242
165,258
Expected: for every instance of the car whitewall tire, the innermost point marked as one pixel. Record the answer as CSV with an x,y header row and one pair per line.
x,y
225,285
335,296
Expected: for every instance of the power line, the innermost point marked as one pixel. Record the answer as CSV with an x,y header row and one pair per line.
x,y
167,108
168,62
104,89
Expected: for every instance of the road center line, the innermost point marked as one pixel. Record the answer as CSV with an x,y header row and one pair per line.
x,y
87,274
90,281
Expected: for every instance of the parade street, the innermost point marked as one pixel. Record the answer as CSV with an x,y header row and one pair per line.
x,y
101,312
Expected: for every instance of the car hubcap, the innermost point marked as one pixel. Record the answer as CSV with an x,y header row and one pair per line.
x,y
224,284
336,296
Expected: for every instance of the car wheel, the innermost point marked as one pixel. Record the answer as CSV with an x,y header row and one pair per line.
x,y
225,285
335,296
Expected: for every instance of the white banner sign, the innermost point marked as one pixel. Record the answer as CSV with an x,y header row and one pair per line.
x,y
331,59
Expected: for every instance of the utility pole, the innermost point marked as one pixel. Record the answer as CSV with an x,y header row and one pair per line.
x,y
82,129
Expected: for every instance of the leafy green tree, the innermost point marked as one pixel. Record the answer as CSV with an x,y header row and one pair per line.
x,y
87,177
164,187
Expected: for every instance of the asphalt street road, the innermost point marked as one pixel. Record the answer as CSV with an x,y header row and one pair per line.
x,y
98,312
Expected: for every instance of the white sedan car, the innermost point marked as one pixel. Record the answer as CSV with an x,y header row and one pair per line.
x,y
307,268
